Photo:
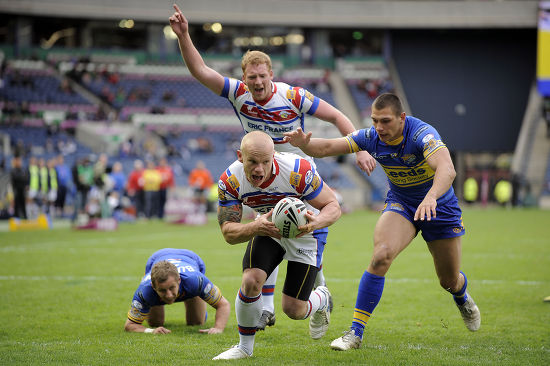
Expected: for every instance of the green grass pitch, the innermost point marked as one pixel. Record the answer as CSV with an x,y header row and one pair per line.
x,y
64,295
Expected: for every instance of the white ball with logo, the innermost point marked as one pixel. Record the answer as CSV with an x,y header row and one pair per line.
x,y
288,214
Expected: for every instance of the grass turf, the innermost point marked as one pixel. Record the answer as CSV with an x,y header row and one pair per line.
x,y
64,295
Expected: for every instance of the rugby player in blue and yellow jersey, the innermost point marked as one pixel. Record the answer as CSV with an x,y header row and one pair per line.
x,y
175,275
421,199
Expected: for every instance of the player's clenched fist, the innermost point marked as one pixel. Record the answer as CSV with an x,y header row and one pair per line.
x,y
178,22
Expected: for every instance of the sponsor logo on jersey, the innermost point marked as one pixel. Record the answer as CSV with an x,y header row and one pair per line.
x,y
221,185
291,94
409,176
309,96
260,200
315,182
408,158
458,229
432,145
207,288
295,179
302,92
427,138
136,304
284,114
309,177
233,182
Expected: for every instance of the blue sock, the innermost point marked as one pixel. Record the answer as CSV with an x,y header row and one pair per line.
x,y
368,296
461,296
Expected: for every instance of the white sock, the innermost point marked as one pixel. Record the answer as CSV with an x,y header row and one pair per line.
x,y
268,290
320,279
317,301
248,311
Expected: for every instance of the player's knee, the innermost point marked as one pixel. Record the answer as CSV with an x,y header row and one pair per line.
x,y
382,257
450,284
251,286
292,311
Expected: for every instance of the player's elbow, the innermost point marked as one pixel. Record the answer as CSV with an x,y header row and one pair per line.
x,y
451,172
128,326
224,306
230,238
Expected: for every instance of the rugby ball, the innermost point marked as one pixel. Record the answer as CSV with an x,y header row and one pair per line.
x,y
288,214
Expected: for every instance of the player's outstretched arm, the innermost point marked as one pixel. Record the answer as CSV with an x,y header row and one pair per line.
x,y
193,60
329,113
130,326
235,232
317,147
222,315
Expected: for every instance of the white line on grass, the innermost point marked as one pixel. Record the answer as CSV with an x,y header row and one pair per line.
x,y
234,278
57,243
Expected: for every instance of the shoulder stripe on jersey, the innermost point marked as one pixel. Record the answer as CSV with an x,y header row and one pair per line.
x,y
431,153
301,168
314,194
353,147
225,90
229,203
230,182
314,106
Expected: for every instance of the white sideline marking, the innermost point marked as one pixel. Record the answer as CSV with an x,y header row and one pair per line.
x,y
235,278
60,243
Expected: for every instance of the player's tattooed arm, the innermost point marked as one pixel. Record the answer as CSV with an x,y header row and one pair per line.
x,y
233,230
233,213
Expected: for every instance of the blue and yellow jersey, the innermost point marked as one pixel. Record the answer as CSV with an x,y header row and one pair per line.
x,y
193,283
404,161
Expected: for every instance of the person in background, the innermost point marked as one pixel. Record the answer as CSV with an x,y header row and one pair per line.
x,y
19,183
83,176
200,180
34,188
152,180
51,195
166,184
64,184
118,178
134,188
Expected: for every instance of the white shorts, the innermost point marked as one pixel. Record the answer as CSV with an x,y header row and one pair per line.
x,y
306,249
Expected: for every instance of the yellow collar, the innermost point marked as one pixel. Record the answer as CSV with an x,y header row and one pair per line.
x,y
397,141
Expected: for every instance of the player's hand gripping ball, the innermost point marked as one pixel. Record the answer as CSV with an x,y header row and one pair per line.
x,y
288,214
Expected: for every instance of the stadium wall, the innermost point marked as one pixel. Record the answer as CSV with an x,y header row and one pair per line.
x,y
328,13
473,85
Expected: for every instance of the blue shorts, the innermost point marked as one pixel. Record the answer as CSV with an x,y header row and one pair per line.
x,y
446,224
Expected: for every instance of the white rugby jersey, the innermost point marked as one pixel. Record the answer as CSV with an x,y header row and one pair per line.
x,y
283,112
292,176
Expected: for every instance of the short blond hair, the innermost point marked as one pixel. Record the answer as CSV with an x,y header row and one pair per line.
x,y
161,271
255,58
